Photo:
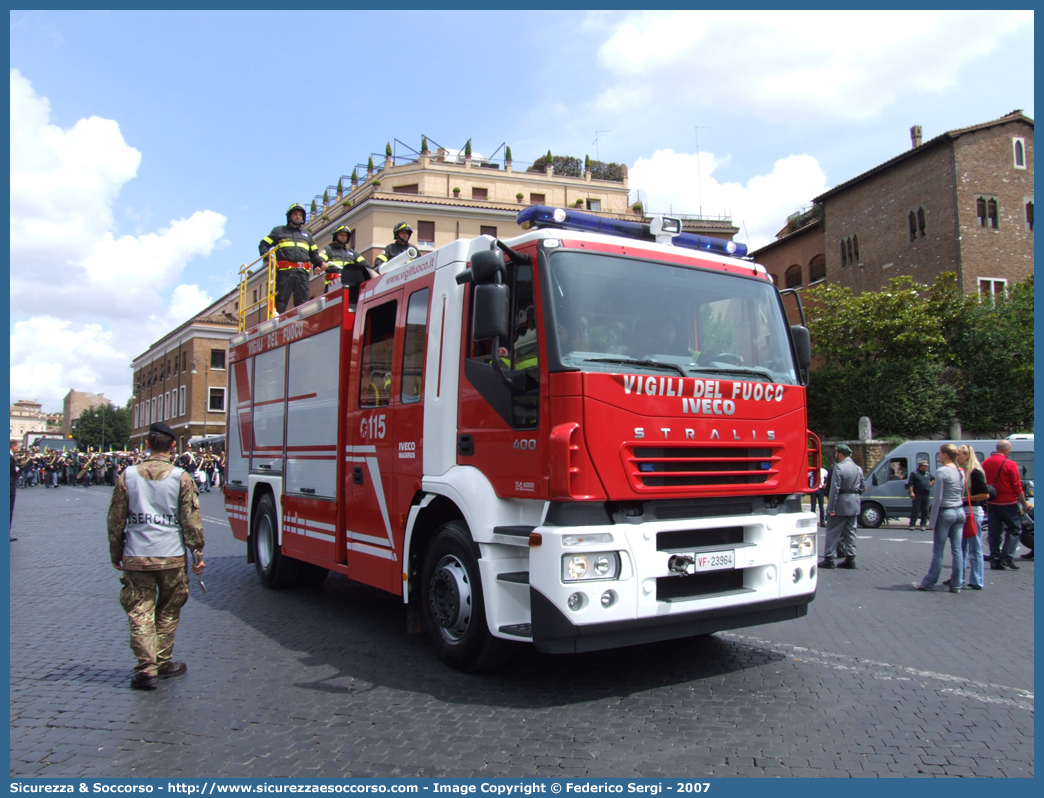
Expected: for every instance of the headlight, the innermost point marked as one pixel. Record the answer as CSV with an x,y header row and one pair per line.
x,y
596,565
802,546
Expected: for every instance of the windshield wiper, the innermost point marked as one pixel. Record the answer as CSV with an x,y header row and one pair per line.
x,y
755,372
656,364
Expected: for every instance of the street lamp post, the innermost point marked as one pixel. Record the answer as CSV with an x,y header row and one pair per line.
x,y
206,392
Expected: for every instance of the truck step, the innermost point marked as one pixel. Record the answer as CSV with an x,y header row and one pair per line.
x,y
521,577
518,630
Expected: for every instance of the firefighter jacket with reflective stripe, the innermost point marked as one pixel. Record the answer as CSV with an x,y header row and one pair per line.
x,y
352,266
293,245
390,251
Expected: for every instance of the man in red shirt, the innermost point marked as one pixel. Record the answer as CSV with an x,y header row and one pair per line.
x,y
1003,474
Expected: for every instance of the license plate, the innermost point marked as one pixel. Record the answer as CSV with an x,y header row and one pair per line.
x,y
716,560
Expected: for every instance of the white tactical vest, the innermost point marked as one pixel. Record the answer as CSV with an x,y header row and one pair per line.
x,y
153,526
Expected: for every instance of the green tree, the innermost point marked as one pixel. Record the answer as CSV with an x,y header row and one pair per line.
x,y
387,149
507,153
991,354
313,208
340,185
104,427
369,164
355,176
880,354
424,143
326,198
467,149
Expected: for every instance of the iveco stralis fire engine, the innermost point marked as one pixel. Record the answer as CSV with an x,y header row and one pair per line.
x,y
587,436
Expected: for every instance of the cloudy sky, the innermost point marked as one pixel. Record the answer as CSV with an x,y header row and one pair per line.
x,y
150,151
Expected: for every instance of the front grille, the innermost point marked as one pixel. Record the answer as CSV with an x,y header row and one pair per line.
x,y
691,539
701,466
677,588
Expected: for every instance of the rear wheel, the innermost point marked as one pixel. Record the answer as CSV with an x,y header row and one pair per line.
x,y
274,569
452,606
871,515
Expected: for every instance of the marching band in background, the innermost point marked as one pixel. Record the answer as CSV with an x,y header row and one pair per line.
x,y
53,468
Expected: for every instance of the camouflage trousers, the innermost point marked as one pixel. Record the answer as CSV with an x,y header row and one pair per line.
x,y
153,602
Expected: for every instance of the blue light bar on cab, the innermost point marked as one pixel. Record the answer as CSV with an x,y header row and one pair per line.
x,y
541,216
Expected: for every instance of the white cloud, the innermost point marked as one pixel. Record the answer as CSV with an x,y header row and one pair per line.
x,y
671,180
781,65
74,279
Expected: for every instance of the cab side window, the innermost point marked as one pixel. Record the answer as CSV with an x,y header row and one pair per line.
x,y
376,361
519,352
414,346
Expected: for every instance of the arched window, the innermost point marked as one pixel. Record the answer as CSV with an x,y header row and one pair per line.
x,y
920,220
1020,153
991,213
913,226
793,276
1029,216
855,246
844,254
817,269
851,259
980,211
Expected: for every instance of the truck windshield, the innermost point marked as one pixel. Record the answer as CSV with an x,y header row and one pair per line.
x,y
616,313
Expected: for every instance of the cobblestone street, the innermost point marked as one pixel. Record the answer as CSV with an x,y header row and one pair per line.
x,y
877,680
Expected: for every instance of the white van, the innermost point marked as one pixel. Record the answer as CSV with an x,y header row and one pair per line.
x,y
886,493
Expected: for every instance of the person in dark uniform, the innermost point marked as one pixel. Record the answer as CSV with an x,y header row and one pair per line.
x,y
402,233
295,249
153,518
15,445
344,262
846,483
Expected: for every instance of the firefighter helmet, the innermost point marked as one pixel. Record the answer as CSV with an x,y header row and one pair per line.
x,y
295,207
343,228
400,227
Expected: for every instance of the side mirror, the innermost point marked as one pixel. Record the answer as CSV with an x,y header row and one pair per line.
x,y
486,266
876,479
802,345
491,311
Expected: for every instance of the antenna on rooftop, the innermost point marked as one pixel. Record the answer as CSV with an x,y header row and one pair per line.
x,y
595,142
699,177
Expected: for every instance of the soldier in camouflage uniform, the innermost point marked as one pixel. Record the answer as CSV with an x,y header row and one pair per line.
x,y
154,515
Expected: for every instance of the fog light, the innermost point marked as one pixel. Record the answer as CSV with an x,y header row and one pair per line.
x,y
575,601
608,599
812,572
797,575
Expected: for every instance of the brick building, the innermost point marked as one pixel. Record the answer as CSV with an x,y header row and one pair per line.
x,y
181,379
75,404
960,202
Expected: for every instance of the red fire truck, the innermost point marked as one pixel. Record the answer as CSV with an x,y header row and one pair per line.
x,y
587,436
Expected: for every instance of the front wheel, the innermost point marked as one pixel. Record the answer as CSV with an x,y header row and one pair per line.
x,y
871,515
452,606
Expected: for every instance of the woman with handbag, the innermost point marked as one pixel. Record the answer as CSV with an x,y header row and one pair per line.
x,y
947,520
976,493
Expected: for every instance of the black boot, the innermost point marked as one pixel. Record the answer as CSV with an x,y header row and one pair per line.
x,y
827,562
849,563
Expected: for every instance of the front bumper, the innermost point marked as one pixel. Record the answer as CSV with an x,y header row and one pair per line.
x,y
649,600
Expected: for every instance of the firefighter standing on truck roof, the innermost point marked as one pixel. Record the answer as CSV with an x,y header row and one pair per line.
x,y
402,233
344,261
294,250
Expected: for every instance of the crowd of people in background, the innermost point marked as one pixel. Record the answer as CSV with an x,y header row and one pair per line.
x,y
54,468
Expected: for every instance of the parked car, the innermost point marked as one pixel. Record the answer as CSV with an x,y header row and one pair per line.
x,y
886,493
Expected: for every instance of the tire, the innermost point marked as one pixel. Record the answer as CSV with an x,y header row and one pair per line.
x,y
274,569
452,607
871,515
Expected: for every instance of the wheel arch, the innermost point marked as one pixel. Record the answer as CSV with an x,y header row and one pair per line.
x,y
258,489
